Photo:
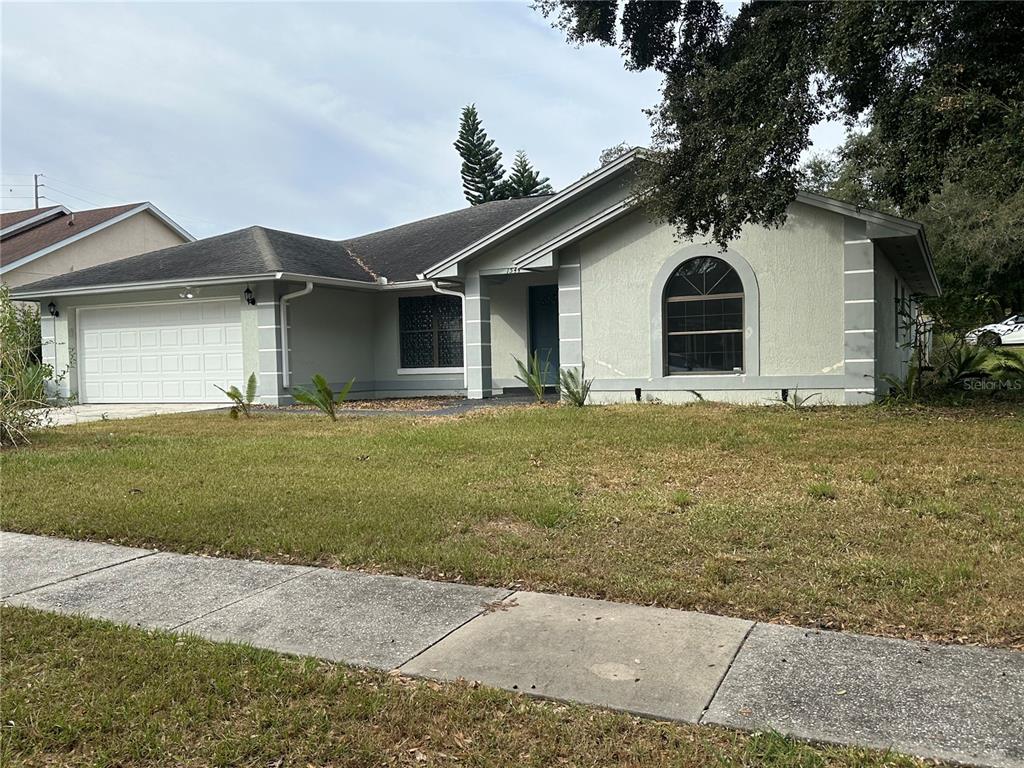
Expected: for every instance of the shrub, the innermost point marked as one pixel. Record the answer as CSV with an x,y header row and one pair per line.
x,y
533,374
241,402
796,401
322,396
575,389
22,376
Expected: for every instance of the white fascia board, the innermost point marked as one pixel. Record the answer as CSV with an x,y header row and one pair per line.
x,y
341,282
221,280
145,286
568,194
39,218
582,229
170,222
901,225
93,230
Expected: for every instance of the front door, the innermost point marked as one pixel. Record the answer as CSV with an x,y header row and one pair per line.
x,y
544,329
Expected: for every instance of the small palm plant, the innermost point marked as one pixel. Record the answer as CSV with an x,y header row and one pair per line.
x,y
322,396
242,403
796,401
574,387
532,374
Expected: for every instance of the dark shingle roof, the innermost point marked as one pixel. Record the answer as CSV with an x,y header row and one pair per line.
x,y
402,252
398,254
52,231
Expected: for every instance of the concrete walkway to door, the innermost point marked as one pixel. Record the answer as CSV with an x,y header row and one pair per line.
x,y
81,414
934,701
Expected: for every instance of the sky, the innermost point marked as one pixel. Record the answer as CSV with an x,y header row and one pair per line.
x,y
329,119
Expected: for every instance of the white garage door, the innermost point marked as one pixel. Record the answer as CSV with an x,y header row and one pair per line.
x,y
160,353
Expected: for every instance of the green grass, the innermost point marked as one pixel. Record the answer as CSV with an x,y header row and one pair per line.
x,y
924,536
81,692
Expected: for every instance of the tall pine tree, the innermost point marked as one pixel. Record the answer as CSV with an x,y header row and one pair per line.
x,y
482,172
523,180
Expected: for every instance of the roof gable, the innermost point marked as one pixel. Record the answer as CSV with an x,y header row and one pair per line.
x,y
27,239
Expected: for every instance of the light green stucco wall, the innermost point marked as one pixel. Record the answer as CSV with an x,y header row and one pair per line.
x,y
510,328
890,354
386,355
585,207
331,333
799,269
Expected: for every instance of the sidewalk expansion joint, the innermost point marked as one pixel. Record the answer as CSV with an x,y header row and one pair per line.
x,y
242,599
83,573
728,668
482,612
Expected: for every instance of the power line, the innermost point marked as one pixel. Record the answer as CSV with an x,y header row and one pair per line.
x,y
68,194
84,189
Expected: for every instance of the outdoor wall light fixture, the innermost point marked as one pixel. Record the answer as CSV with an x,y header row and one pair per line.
x,y
52,308
249,298
187,293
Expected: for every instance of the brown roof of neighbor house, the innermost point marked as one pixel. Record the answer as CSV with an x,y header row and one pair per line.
x,y
10,218
25,242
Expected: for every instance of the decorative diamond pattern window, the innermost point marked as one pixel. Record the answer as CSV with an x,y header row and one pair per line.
x,y
703,318
430,331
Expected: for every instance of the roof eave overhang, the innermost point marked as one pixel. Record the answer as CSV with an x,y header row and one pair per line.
x,y
448,267
154,285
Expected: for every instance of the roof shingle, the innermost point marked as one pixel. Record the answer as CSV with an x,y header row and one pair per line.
x,y
53,231
398,253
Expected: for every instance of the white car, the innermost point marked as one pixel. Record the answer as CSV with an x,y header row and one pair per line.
x,y
1009,331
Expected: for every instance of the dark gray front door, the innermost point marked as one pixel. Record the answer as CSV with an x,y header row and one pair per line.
x,y
544,328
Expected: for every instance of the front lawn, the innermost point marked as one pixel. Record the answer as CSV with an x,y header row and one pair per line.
x,y
907,523
80,692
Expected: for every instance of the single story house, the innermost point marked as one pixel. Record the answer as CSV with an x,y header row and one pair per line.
x,y
446,304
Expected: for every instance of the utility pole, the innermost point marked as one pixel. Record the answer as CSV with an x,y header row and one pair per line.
x,y
35,185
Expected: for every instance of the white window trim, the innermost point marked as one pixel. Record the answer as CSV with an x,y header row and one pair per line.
x,y
414,371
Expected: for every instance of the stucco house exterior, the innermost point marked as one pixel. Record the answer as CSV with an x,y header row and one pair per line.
x,y
446,304
46,242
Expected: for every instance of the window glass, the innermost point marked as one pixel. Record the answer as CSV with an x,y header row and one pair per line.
x,y
430,331
703,318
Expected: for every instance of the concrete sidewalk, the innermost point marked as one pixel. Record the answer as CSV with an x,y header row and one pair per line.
x,y
944,702
83,414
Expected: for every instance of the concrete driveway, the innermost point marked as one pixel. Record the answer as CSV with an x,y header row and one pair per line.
x,y
81,414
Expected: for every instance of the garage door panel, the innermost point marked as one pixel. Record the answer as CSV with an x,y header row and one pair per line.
x,y
160,353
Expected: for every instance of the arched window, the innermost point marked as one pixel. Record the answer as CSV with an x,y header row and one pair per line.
x,y
703,318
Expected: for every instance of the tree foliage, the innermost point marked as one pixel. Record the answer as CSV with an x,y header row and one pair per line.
x,y
975,224
483,175
523,180
482,171
940,84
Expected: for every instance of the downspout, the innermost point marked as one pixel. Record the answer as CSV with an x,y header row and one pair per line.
x,y
449,292
285,362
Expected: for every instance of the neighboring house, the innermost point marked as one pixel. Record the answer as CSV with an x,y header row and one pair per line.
x,y
444,305
46,242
